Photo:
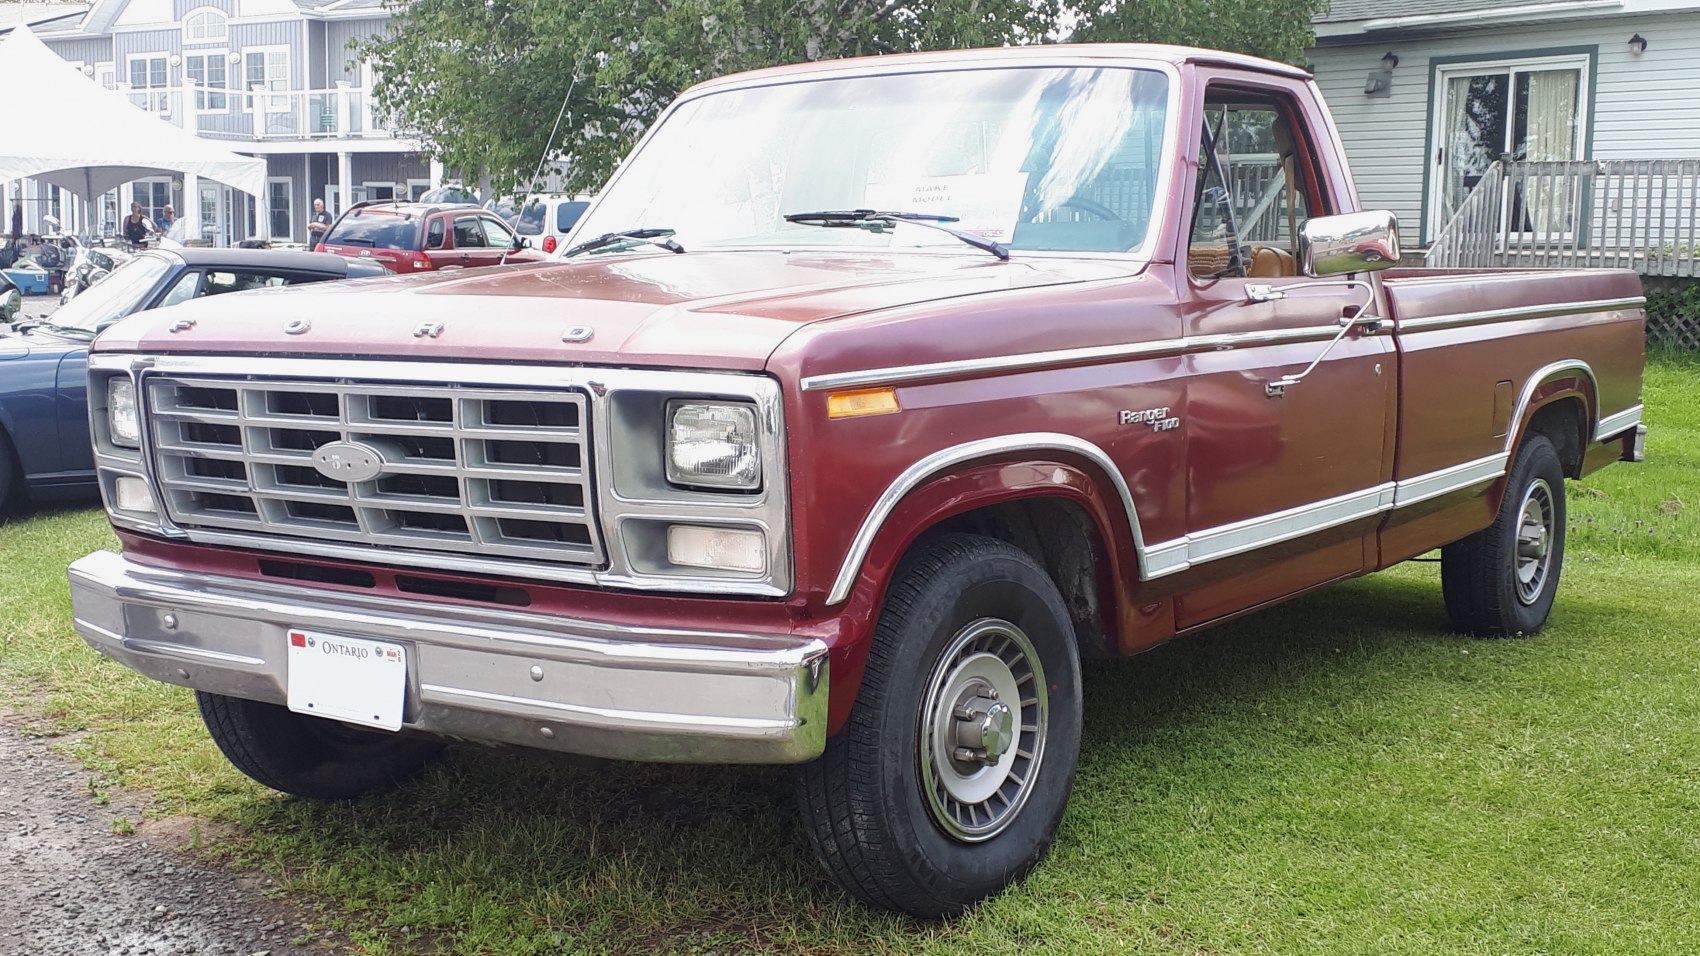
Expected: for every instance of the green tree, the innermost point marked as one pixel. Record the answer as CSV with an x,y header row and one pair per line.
x,y
1277,29
483,81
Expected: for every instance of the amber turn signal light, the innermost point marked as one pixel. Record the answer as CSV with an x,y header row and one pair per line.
x,y
867,401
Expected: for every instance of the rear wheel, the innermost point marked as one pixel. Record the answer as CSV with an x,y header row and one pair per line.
x,y
310,756
950,779
1501,581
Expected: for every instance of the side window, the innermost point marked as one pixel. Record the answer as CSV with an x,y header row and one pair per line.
x,y
1252,194
434,234
221,282
183,291
469,233
498,234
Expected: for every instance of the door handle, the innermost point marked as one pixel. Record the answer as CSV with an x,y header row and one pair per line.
x,y
1278,388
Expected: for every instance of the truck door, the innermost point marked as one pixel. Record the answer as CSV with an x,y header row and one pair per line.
x,y
1285,485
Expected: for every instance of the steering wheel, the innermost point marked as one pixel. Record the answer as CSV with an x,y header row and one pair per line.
x,y
1092,206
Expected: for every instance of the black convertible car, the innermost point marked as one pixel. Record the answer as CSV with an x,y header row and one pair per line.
x,y
44,428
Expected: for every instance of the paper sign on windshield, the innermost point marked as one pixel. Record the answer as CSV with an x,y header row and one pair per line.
x,y
987,204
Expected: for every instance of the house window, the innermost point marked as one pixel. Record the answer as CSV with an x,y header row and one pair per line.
x,y
148,73
1533,109
268,70
153,194
107,77
280,204
206,71
205,26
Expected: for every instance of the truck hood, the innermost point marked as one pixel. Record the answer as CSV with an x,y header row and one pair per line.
x,y
726,310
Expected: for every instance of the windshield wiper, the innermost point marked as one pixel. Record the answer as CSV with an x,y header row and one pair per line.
x,y
876,221
659,237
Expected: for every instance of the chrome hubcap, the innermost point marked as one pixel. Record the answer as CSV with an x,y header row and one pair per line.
x,y
1535,530
982,727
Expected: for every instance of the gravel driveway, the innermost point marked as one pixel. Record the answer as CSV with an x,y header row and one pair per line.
x,y
69,886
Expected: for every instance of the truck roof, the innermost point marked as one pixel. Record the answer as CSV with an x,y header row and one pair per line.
x,y
1147,52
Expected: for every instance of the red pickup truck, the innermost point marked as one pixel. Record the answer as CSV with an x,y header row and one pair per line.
x,y
887,391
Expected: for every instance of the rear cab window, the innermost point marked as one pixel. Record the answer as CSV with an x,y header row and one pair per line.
x,y
567,215
531,218
375,230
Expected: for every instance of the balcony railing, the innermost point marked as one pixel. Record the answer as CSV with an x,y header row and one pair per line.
x,y
1631,214
342,113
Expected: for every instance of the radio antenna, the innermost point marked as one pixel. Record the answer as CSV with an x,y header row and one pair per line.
x,y
537,173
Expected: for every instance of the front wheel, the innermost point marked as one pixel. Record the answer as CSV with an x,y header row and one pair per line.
x,y
1501,581
951,777
310,756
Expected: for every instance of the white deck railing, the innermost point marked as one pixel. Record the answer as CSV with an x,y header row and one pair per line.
x,y
1632,214
345,112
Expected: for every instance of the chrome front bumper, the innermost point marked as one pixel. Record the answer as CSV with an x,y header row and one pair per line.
x,y
492,676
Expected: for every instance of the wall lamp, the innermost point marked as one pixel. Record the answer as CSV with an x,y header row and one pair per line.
x,y
1638,44
1379,83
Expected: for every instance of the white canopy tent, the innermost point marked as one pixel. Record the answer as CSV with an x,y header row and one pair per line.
x,y
89,140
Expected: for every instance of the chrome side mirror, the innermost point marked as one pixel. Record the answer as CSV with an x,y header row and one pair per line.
x,y
1350,242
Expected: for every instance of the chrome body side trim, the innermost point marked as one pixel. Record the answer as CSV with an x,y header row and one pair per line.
x,y
1613,425
1029,361
1447,480
490,675
1518,313
938,461
1225,541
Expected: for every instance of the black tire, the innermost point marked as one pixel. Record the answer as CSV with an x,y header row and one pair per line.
x,y
1501,581
874,805
310,756
11,483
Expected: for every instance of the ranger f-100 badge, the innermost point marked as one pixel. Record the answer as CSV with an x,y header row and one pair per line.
x,y
1158,418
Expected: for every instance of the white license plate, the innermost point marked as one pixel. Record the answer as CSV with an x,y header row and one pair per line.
x,y
350,679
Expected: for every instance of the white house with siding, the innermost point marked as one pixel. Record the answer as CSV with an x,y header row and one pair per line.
x,y
1428,94
267,78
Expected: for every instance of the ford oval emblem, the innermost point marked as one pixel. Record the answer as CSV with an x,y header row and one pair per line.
x,y
297,326
348,461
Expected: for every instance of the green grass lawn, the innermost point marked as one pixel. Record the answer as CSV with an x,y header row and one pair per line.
x,y
1337,775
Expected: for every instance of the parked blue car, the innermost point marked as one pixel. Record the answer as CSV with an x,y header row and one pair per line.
x,y
44,428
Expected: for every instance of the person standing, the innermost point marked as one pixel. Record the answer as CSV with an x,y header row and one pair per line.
x,y
137,226
318,225
166,220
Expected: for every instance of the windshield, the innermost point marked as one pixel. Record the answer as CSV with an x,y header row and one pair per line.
x,y
112,297
379,230
1035,158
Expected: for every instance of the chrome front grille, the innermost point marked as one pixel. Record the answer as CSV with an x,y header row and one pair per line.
x,y
479,471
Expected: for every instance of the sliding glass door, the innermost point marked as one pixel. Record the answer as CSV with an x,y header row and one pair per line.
x,y
1532,110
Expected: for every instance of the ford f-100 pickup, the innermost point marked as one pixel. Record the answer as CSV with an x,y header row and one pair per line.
x,y
886,392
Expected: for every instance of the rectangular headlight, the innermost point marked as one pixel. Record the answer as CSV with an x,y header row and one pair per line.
x,y
713,444
121,418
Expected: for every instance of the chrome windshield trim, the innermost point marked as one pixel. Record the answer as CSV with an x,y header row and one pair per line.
x,y
956,455
1611,426
1029,361
1164,189
1519,313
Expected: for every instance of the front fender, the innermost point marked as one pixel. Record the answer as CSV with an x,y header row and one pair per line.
x,y
958,490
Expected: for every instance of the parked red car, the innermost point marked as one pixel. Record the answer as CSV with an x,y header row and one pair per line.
x,y
418,237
